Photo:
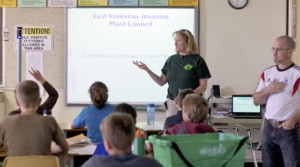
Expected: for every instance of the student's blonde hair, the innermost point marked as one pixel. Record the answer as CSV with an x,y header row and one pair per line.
x,y
196,107
28,94
189,39
118,128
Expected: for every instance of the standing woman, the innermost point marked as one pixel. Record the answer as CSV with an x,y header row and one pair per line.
x,y
92,115
185,69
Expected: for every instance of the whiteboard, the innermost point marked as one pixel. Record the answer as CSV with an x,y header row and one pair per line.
x,y
103,42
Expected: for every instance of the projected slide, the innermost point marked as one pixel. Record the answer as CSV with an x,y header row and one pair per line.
x,y
103,42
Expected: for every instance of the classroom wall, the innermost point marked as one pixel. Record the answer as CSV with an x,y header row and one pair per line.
x,y
235,43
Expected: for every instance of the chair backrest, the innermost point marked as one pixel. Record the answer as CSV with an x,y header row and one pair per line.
x,y
31,161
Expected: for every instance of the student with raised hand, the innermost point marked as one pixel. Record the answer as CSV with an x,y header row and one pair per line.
x,y
185,69
92,115
195,112
176,119
118,131
52,94
29,133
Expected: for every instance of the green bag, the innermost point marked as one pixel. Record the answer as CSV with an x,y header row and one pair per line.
x,y
199,150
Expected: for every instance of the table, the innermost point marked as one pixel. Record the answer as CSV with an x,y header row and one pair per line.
x,y
150,129
77,155
227,124
69,132
230,120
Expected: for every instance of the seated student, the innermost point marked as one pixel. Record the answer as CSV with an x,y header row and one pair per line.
x,y
52,95
123,108
195,111
176,119
29,133
118,131
126,108
92,115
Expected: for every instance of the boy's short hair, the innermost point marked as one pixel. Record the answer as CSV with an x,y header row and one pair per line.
x,y
126,108
119,129
28,94
196,107
182,93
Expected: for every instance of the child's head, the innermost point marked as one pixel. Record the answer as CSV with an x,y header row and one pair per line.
x,y
126,108
195,108
118,131
99,94
27,94
182,93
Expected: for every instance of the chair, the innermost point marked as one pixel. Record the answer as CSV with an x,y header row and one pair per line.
x,y
251,144
32,161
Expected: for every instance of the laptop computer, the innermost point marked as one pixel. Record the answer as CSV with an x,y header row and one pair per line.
x,y
243,107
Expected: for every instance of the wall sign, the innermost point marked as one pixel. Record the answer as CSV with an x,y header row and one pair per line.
x,y
37,38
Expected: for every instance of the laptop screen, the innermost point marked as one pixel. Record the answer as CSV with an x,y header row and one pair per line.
x,y
244,105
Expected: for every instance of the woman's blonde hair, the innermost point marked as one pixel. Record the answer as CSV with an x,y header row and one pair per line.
x,y
189,39
196,107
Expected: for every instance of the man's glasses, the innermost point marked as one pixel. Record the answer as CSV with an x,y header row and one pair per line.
x,y
279,49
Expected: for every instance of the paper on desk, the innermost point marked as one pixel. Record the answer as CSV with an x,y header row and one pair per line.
x,y
85,150
79,140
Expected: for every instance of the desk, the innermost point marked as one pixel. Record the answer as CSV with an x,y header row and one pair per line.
x,y
69,132
150,129
226,124
229,120
77,155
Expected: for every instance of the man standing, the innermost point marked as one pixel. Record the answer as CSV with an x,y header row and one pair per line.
x,y
279,88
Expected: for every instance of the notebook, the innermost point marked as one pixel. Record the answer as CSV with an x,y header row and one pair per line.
x,y
244,107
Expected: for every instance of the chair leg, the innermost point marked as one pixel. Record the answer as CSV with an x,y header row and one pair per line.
x,y
253,151
250,141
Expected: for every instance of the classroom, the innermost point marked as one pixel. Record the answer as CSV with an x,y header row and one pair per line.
x,y
236,45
